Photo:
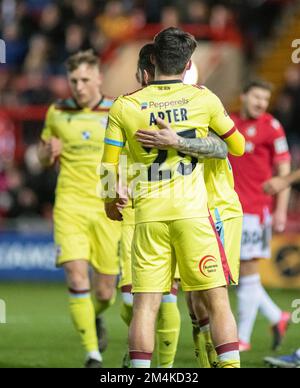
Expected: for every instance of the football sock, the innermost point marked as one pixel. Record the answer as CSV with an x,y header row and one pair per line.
x,y
95,355
207,342
140,359
249,294
229,356
126,305
268,308
199,344
167,331
83,316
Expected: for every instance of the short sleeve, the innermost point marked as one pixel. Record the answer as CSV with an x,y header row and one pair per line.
x,y
220,120
279,144
115,134
48,130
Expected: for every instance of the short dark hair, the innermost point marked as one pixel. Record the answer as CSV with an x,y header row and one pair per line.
x,y
257,83
144,62
173,48
87,56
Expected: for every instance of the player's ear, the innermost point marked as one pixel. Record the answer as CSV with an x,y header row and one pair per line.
x,y
189,65
145,77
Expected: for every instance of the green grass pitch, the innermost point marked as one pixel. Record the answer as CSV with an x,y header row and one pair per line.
x,y
39,332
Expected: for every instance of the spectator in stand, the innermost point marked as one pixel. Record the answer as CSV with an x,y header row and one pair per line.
x,y
37,91
153,9
5,85
83,12
223,25
115,23
170,17
37,56
7,141
36,6
75,40
197,12
51,24
15,46
292,89
26,21
97,40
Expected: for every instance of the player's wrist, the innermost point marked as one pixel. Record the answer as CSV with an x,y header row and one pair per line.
x,y
179,143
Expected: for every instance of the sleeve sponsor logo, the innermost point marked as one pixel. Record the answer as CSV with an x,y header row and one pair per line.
x,y
281,145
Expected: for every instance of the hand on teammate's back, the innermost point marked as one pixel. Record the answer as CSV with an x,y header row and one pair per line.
x,y
163,139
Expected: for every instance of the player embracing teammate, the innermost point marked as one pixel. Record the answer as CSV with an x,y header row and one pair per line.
x,y
172,219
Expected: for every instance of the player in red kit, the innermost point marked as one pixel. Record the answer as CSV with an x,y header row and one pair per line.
x,y
266,151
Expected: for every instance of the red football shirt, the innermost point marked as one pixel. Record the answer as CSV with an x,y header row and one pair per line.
x,y
266,146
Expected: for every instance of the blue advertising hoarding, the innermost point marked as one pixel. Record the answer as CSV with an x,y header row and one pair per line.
x,y
26,256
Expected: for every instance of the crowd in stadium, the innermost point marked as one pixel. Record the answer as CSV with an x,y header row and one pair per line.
x,y
32,31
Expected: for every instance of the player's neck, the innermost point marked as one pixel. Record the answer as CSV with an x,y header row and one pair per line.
x,y
93,103
164,77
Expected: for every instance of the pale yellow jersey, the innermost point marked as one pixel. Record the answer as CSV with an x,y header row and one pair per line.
x,y
82,133
171,185
223,200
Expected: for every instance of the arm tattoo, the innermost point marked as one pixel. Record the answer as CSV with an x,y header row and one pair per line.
x,y
211,147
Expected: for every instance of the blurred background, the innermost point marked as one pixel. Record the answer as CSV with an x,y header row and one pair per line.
x,y
237,39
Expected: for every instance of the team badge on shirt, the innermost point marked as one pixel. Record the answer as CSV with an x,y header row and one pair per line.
x,y
251,131
86,135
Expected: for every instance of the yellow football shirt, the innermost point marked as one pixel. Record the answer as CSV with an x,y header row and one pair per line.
x,y
82,133
170,185
223,200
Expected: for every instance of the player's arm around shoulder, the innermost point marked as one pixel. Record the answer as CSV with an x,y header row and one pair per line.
x,y
224,126
211,147
50,147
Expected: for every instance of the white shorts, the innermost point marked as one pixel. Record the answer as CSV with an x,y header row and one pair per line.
x,y
256,238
